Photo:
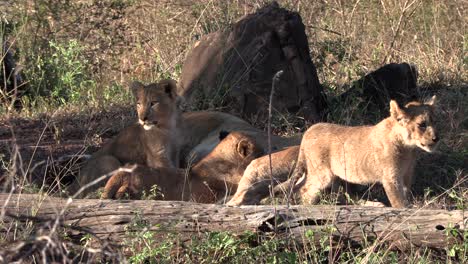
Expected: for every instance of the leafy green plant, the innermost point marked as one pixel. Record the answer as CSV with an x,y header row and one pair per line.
x,y
458,251
147,251
86,240
110,95
154,193
224,247
459,199
142,243
60,74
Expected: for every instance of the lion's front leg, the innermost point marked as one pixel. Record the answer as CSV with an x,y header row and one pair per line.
x,y
394,188
408,181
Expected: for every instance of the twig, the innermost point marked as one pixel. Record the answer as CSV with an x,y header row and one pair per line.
x,y
275,80
86,186
396,32
106,247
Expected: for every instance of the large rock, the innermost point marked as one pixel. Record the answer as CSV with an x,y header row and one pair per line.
x,y
375,90
235,67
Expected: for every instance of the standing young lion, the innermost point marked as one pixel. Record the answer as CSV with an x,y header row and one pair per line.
x,y
207,181
151,142
382,153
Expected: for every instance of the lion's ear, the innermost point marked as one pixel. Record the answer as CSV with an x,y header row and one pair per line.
x,y
398,113
245,148
432,101
135,86
170,88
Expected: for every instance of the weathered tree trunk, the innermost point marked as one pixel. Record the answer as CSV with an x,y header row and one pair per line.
x,y
108,219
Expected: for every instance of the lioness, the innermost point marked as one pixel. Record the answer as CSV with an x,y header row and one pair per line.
x,y
151,142
200,134
206,182
382,153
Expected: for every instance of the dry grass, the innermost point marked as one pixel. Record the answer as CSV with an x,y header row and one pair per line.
x,y
150,39
147,40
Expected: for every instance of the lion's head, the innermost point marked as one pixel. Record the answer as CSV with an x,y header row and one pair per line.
x,y
228,160
415,121
156,103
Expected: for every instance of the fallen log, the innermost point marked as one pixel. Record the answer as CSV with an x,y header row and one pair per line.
x,y
109,220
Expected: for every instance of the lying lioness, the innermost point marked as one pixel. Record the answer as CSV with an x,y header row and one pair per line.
x,y
215,176
200,132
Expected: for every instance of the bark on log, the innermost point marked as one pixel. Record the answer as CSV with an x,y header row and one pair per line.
x,y
108,219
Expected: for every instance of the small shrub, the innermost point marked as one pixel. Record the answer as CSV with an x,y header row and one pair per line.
x,y
61,74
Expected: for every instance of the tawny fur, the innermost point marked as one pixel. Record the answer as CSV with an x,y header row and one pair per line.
x,y
200,132
151,142
256,179
212,178
383,153
163,137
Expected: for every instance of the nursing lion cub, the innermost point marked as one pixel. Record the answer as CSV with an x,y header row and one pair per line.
x,y
212,178
256,179
151,142
384,153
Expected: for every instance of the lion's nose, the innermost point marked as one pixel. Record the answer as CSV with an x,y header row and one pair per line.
x,y
435,138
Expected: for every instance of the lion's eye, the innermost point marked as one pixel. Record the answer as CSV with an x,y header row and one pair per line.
x,y
422,125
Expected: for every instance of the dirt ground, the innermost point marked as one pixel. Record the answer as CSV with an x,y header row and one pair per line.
x,y
46,148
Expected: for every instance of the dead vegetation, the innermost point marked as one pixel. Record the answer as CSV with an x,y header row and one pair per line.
x,y
104,44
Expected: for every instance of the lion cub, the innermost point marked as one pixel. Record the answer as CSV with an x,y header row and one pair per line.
x,y
207,181
151,142
382,153
256,179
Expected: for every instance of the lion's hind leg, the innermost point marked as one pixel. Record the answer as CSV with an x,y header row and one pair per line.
x,y
94,169
252,187
317,180
117,185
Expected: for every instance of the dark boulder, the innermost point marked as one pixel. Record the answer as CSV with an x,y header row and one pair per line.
x,y
234,67
392,81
